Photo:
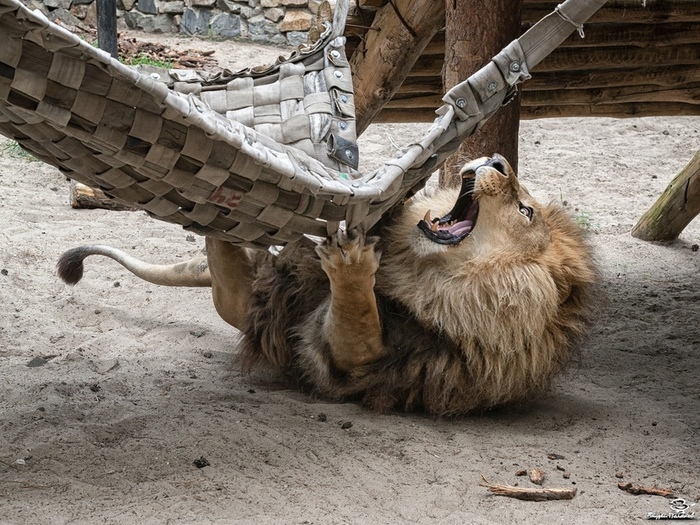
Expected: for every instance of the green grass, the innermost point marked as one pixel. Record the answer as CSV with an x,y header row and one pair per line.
x,y
13,150
583,219
140,59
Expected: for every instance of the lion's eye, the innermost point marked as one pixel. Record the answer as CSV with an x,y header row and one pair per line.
x,y
526,210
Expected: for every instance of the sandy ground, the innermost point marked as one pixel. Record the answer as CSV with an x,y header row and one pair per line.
x,y
111,390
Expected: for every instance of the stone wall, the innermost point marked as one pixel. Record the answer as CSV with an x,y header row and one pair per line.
x,y
272,21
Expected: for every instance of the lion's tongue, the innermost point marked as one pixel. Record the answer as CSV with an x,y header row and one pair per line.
x,y
461,228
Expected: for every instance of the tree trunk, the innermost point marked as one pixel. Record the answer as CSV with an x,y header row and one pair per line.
x,y
475,31
677,206
399,33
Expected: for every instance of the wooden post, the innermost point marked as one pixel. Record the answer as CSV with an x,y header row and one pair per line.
x,y
677,206
475,31
399,33
107,26
85,197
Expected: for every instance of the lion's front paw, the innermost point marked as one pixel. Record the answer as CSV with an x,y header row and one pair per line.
x,y
350,254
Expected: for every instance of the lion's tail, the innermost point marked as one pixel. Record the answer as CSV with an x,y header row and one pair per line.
x,y
194,272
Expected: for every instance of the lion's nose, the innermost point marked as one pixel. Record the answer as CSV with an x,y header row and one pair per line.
x,y
498,163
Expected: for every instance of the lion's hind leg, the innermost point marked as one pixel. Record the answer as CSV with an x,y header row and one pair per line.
x,y
351,325
231,269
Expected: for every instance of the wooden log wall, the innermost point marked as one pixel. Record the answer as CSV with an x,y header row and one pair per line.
x,y
638,58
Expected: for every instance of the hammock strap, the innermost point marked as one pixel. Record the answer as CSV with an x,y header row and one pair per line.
x,y
578,26
513,64
470,103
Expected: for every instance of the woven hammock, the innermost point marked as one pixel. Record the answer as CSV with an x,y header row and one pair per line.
x,y
260,157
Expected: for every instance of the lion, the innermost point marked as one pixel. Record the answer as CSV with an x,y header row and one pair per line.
x,y
464,299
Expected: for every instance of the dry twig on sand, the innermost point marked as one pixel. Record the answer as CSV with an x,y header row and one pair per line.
x,y
638,489
529,494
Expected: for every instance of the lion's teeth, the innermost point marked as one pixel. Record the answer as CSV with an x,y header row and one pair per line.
x,y
434,226
427,216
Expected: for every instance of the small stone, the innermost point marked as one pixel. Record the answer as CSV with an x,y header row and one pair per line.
x,y
226,25
4,271
201,3
36,362
126,5
201,462
79,11
207,354
250,12
694,247
174,8
346,424
297,38
260,29
537,476
64,16
274,13
322,417
164,24
147,6
91,15
313,5
295,20
53,4
195,21
553,455
520,472
228,6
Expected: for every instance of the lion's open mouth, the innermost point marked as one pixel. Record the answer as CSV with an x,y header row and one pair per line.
x,y
458,223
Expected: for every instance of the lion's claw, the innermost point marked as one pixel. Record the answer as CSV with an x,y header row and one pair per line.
x,y
349,250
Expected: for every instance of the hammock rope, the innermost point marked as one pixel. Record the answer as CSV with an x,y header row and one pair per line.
x,y
260,157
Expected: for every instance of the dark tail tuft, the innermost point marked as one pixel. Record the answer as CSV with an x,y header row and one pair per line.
x,y
70,265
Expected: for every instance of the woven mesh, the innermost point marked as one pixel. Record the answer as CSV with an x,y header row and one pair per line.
x,y
258,158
